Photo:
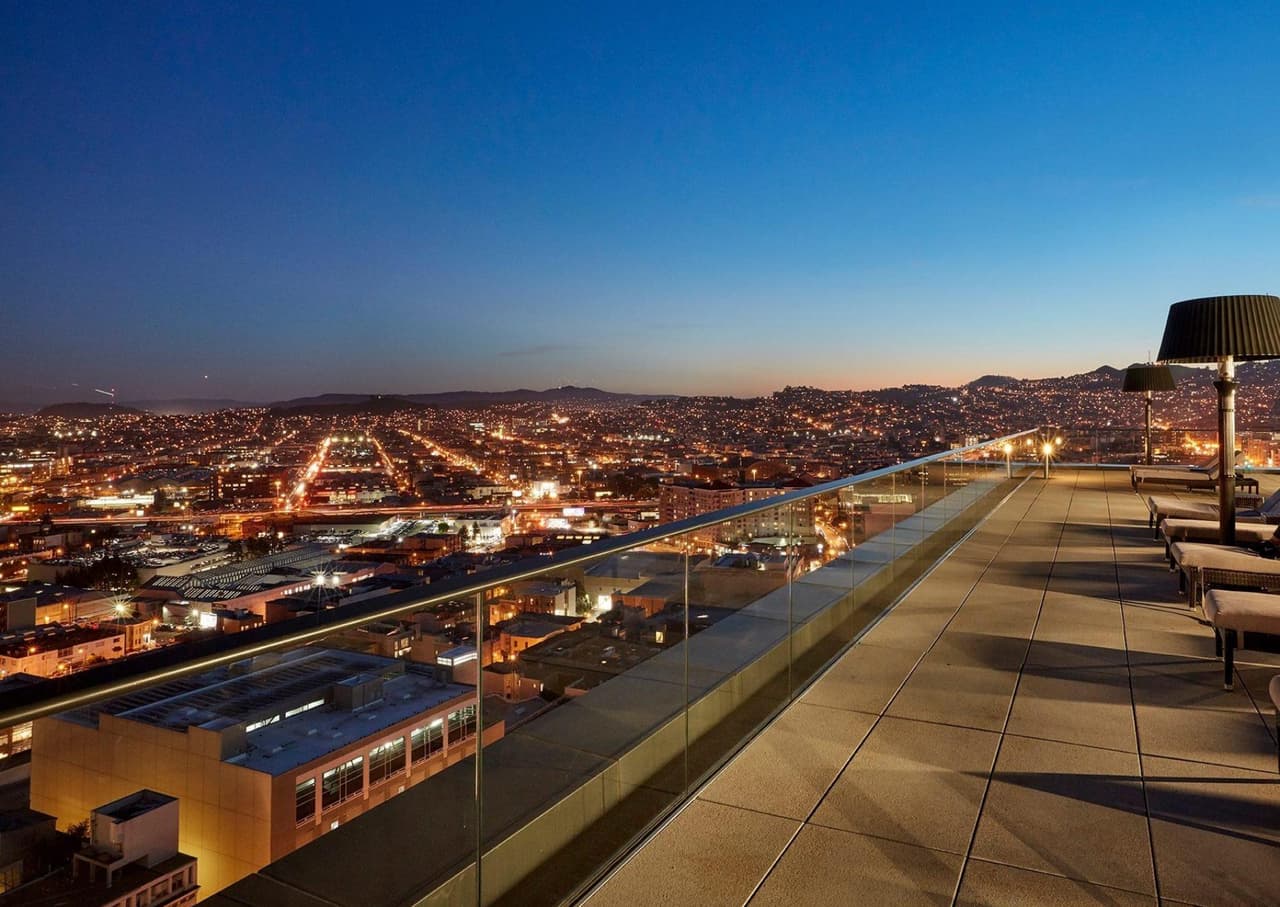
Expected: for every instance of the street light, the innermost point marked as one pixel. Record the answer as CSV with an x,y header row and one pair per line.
x,y
1008,460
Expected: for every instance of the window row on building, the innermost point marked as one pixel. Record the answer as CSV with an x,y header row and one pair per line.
x,y
384,761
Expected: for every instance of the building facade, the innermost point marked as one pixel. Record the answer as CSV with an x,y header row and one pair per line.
x,y
264,755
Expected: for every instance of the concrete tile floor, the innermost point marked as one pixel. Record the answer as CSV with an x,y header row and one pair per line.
x,y
1041,720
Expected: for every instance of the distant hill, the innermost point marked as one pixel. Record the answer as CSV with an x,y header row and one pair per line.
x,y
185,406
994,381
86,410
454,399
566,394
344,405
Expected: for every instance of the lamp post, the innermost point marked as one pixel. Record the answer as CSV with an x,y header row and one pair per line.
x,y
1145,379
1047,450
1225,330
1008,460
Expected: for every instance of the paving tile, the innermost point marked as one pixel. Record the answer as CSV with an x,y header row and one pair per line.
x,y
914,782
943,690
1059,642
824,866
1069,810
914,632
1216,832
1184,713
1090,707
864,679
1065,608
1186,638
709,854
995,885
966,648
812,741
1003,619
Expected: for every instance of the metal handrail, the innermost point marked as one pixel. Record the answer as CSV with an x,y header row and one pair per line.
x,y
128,674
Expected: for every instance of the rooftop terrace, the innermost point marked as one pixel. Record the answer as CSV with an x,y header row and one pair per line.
x,y
1040,720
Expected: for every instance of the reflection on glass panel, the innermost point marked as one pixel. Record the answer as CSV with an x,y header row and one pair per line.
x,y
590,690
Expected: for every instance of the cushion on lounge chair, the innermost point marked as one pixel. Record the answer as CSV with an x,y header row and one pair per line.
x,y
1246,612
1202,556
1176,529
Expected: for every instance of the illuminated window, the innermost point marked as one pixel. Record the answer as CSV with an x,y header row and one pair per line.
x,y
427,741
386,760
462,723
305,800
342,782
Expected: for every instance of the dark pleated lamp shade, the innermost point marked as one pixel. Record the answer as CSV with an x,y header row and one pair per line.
x,y
1148,378
1209,329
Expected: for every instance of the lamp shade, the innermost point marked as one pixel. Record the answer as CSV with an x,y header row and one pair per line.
x,y
1212,328
1148,378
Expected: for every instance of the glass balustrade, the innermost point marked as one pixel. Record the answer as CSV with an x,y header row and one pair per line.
x,y
503,737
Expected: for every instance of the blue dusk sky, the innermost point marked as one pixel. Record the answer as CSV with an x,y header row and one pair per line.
x,y
718,198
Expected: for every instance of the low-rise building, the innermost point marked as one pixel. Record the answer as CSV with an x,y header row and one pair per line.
x,y
264,755
37,604
53,650
131,860
514,636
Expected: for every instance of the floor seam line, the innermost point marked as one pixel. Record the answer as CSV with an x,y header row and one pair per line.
x,y
995,759
769,872
1133,698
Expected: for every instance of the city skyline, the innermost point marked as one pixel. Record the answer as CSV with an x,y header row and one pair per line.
x,y
659,201
31,398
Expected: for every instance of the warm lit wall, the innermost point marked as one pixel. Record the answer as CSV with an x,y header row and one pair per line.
x,y
224,810
232,819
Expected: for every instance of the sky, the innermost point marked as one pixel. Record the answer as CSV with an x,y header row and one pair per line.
x,y
262,201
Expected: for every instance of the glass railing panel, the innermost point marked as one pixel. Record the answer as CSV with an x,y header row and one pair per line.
x,y
741,609
824,600
588,676
1170,445
601,686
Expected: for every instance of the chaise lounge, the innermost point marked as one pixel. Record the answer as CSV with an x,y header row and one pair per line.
x,y
1195,476
1232,614
1164,506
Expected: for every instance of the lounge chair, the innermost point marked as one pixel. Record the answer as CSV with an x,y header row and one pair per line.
x,y
1173,475
1199,564
1232,614
1166,506
1186,479
1175,529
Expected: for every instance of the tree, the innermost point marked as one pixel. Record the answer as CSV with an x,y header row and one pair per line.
x,y
79,831
110,574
